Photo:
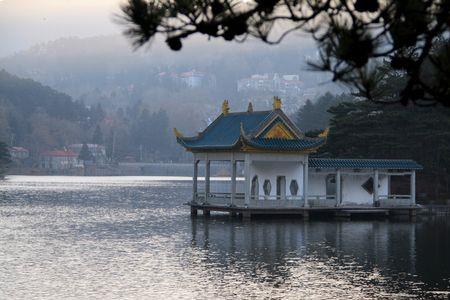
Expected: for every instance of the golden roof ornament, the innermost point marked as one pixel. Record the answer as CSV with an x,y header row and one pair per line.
x,y
177,133
250,107
225,107
324,133
276,103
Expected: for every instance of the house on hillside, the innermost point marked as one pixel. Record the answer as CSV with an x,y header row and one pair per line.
x,y
192,79
60,160
98,152
274,83
280,177
189,79
18,153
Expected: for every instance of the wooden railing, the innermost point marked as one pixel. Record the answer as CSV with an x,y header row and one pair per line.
x,y
322,200
277,203
274,201
393,197
394,200
260,201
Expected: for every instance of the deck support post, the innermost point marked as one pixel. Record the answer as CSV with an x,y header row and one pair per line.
x,y
233,179
207,177
305,215
375,188
305,183
338,188
193,211
195,181
247,179
413,188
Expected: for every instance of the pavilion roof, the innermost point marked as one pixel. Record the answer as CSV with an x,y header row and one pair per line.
x,y
248,130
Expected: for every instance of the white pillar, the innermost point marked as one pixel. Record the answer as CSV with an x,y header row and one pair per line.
x,y
338,187
388,184
247,163
305,182
375,187
413,188
207,177
195,181
233,179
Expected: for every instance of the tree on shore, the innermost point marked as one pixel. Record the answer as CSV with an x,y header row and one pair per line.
x,y
85,154
5,158
365,129
97,137
353,36
314,115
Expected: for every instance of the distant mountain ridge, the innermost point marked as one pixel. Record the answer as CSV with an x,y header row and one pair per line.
x,y
28,96
78,66
40,118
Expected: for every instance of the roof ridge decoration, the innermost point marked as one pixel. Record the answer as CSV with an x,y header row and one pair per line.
x,y
250,107
177,133
324,134
276,103
225,107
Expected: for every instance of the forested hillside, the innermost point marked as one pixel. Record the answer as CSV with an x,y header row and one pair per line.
x,y
27,96
314,115
106,70
39,118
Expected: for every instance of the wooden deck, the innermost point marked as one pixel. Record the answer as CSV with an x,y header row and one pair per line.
x,y
305,212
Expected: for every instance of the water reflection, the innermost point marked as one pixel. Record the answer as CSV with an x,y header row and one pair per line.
x,y
132,238
367,258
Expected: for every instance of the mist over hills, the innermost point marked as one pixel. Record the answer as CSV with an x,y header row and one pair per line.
x,y
107,70
78,65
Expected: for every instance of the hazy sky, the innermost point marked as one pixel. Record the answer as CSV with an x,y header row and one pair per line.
x,y
24,23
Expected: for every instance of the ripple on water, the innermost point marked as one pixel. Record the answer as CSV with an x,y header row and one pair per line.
x,y
116,238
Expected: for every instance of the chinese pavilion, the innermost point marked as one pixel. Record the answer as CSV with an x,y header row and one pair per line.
x,y
279,177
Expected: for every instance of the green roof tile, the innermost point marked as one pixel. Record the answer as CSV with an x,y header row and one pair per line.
x,y
225,131
328,163
285,144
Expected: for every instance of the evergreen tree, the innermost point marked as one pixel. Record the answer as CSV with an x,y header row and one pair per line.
x,y
368,130
109,143
97,137
97,113
85,154
5,158
314,115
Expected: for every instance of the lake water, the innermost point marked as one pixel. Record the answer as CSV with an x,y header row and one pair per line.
x,y
132,238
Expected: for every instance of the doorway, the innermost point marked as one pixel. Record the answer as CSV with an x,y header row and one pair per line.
x,y
255,188
281,187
